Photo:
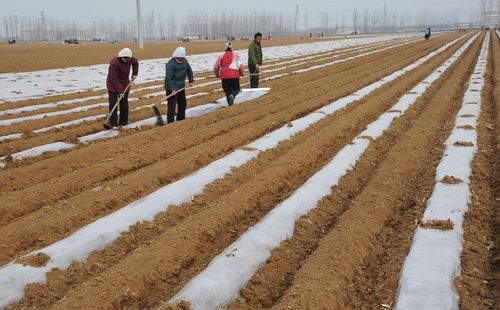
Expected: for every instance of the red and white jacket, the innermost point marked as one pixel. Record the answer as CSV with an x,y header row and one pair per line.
x,y
229,66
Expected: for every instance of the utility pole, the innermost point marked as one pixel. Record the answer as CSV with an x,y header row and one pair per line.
x,y
140,26
355,21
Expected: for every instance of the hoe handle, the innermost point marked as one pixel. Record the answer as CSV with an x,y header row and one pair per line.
x,y
120,97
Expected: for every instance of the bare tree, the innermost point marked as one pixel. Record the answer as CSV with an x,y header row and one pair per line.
x,y
375,21
150,26
482,10
219,24
366,20
306,21
394,22
6,27
498,12
325,21
355,21
342,24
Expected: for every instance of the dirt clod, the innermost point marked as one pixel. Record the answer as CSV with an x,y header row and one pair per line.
x,y
249,149
38,260
451,180
183,305
438,224
466,127
463,143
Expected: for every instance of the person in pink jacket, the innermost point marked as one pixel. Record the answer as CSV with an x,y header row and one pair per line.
x,y
229,69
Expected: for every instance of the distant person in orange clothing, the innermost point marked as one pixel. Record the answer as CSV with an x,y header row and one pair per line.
x,y
229,69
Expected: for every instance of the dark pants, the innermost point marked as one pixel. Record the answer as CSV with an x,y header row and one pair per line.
x,y
113,98
254,79
231,87
178,100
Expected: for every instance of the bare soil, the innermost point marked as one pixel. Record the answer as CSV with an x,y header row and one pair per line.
x,y
345,254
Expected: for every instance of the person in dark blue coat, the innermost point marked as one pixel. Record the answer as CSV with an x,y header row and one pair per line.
x,y
428,33
176,71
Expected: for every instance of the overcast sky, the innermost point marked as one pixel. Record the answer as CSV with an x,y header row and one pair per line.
x,y
124,9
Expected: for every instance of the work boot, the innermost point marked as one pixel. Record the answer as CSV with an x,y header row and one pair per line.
x,y
230,100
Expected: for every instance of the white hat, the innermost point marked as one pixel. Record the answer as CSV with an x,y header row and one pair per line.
x,y
228,45
180,52
126,52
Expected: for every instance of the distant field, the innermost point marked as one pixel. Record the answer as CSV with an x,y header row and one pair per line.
x,y
40,56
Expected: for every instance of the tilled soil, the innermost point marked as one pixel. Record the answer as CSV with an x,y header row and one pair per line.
x,y
364,113
478,284
84,94
71,133
495,219
475,277
398,183
109,193
346,253
19,57
376,283
263,290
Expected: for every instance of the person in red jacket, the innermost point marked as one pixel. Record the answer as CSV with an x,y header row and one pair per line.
x,y
229,69
117,83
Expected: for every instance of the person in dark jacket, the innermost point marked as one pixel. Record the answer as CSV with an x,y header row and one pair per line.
x,y
117,83
255,60
428,33
229,68
176,71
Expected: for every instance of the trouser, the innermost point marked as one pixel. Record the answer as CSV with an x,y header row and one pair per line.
x,y
178,100
254,79
123,105
231,87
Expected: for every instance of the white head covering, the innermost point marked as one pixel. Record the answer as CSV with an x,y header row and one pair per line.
x,y
126,52
228,45
180,52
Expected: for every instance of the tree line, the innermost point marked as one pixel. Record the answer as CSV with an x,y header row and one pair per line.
x,y
210,25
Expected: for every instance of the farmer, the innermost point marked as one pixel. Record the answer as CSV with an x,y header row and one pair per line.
x,y
229,68
255,60
428,33
118,84
175,81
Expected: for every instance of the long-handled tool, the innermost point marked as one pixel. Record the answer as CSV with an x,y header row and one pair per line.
x,y
156,108
107,123
247,75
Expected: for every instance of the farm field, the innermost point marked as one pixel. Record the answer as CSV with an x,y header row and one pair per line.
x,y
326,188
19,58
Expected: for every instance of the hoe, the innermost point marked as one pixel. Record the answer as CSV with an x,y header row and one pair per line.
x,y
107,123
156,108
